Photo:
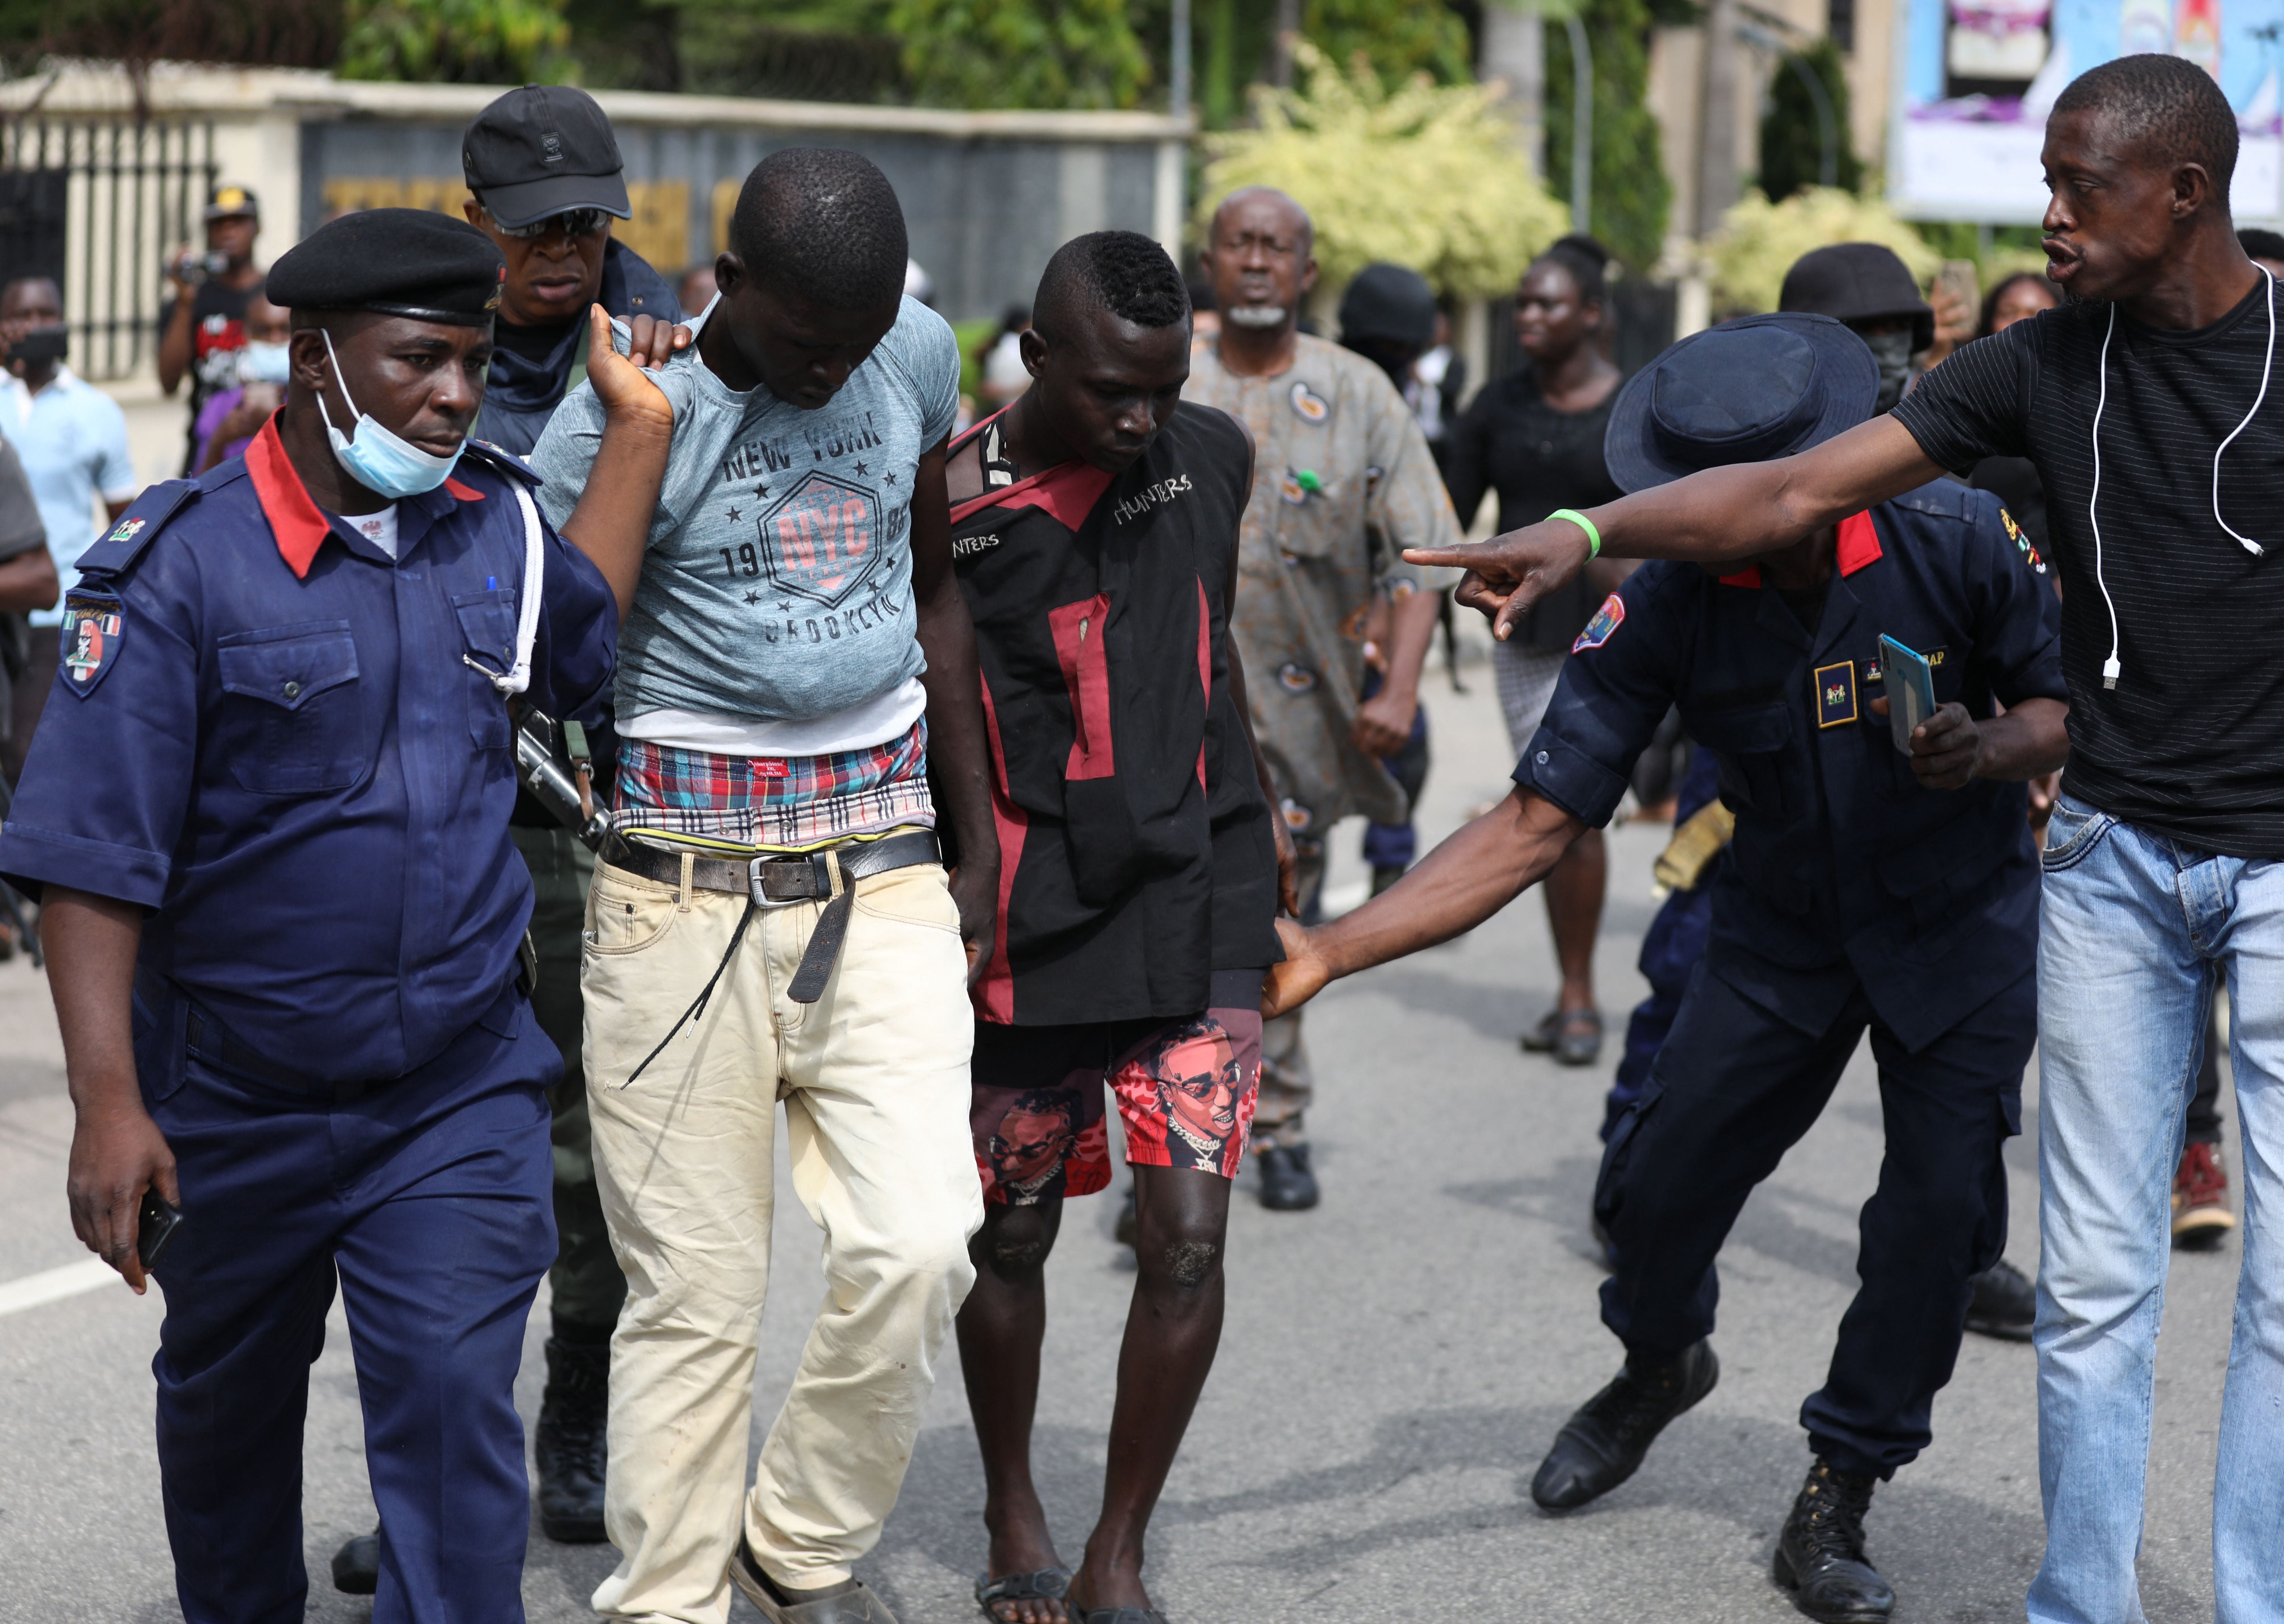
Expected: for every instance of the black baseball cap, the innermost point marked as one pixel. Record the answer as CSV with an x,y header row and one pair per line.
x,y
228,199
540,151
1858,282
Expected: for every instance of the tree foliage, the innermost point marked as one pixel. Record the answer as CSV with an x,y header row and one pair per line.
x,y
1758,241
1399,37
1021,53
1425,175
470,42
1631,196
281,32
1792,132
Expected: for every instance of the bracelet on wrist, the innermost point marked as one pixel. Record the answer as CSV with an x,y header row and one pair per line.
x,y
1594,536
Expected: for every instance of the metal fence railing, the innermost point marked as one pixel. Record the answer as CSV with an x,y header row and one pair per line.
x,y
98,203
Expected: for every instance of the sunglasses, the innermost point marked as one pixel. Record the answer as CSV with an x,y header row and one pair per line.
x,y
571,222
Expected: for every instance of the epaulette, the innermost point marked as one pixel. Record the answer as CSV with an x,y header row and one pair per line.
x,y
137,527
506,462
1944,498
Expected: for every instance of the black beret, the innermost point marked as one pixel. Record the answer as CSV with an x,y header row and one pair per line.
x,y
401,261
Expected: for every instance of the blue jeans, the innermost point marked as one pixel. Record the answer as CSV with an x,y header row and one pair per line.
x,y
2136,930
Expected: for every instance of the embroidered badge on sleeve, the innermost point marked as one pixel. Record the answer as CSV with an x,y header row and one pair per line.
x,y
91,632
1607,619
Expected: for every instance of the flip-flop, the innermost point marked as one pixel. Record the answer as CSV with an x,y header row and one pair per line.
x,y
1048,1584
1578,1041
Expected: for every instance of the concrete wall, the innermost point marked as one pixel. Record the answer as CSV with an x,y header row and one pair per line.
x,y
987,196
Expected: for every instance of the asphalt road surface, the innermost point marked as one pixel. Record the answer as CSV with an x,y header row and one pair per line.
x,y
1393,1366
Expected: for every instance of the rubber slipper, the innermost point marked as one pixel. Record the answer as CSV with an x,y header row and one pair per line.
x,y
1051,1584
1580,1040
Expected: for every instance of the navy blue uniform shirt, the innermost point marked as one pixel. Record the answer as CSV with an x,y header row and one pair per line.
x,y
267,732
1844,868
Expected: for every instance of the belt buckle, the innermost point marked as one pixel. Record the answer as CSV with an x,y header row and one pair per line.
x,y
820,865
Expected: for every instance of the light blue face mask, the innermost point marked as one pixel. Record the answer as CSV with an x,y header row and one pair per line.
x,y
261,362
382,461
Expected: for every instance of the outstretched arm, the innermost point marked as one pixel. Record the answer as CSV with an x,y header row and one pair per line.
x,y
1460,884
1708,517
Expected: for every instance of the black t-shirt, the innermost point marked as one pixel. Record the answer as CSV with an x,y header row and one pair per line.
x,y
2190,743
217,333
1538,459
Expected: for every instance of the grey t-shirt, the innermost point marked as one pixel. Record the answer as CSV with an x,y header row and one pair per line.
x,y
777,585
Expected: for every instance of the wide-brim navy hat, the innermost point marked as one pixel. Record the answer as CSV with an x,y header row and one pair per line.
x,y
1758,387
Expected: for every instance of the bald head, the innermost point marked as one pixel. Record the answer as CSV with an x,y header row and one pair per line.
x,y
1268,203
1260,256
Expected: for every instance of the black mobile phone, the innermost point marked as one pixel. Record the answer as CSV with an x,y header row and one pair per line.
x,y
155,1227
42,344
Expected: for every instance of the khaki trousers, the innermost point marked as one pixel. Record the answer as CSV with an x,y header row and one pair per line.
x,y
874,1079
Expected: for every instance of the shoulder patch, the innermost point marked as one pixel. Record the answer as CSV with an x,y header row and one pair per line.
x,y
506,462
137,527
2021,541
92,625
1607,619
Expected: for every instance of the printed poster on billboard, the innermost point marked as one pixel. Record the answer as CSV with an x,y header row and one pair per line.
x,y
1977,78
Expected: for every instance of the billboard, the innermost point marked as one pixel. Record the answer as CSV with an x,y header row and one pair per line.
x,y
1977,78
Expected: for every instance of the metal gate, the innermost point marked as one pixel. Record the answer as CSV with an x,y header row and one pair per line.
x,y
98,205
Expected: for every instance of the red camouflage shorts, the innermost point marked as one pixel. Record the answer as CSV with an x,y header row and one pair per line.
x,y
1185,1088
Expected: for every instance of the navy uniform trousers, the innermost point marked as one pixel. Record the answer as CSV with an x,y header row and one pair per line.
x,y
430,1197
1732,1089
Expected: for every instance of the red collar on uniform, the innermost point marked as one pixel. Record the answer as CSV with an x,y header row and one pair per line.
x,y
1859,545
296,521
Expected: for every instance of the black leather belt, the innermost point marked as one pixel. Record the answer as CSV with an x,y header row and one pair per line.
x,y
780,882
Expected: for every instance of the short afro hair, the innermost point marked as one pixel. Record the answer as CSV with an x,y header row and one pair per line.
x,y
823,223
2168,108
1123,272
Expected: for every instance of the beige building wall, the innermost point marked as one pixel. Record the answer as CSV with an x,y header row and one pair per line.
x,y
1676,91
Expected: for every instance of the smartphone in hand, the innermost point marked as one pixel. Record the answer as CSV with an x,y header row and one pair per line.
x,y
1910,682
154,1228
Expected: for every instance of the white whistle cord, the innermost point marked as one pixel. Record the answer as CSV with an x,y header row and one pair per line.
x,y
518,677
2112,667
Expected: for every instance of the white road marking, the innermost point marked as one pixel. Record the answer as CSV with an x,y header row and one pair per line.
x,y
54,1284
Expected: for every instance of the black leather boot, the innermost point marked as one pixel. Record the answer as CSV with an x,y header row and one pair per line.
x,y
569,1446
1603,1445
1286,1183
1820,1553
2002,1303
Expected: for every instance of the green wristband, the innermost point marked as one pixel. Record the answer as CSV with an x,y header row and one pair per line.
x,y
1594,536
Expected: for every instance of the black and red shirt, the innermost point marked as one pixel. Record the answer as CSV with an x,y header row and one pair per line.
x,y
1135,852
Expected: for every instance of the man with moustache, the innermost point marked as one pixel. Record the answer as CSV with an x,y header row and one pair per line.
x,y
1343,481
2148,405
